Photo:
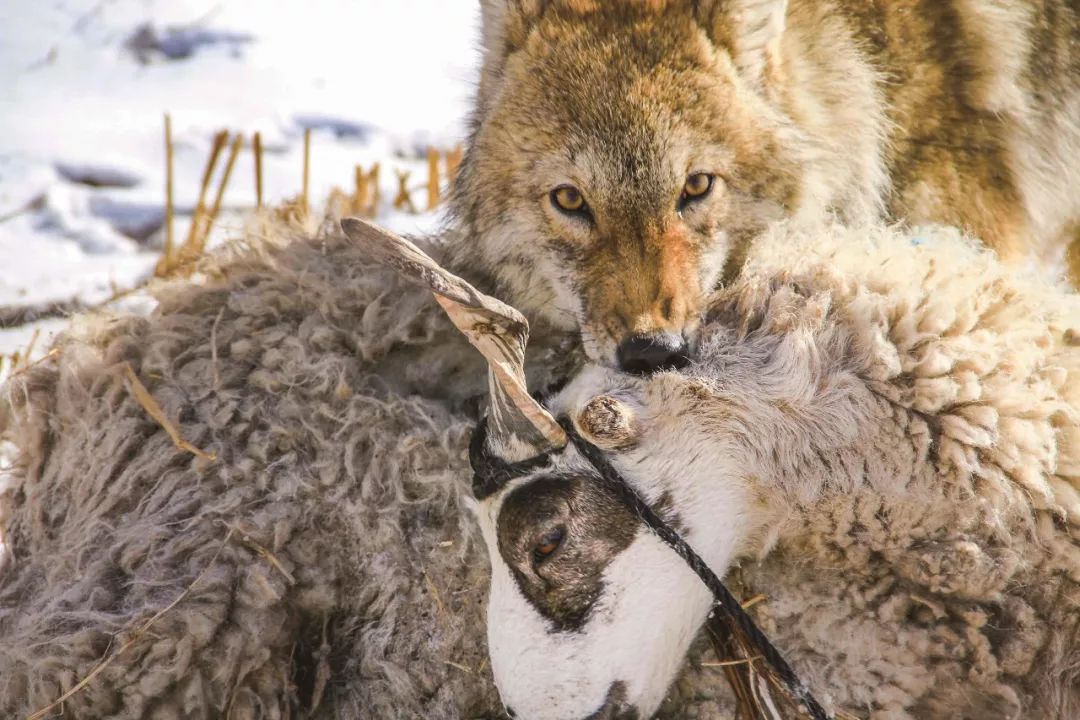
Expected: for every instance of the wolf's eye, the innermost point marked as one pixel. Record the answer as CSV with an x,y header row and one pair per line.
x,y
547,544
697,187
568,199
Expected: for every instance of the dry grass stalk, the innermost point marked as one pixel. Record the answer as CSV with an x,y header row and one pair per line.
x,y
29,351
760,694
119,293
266,554
307,172
373,183
199,245
360,191
403,200
20,360
220,138
747,604
434,197
453,163
13,358
730,663
458,666
135,636
736,669
169,209
256,147
339,204
154,410
291,212
365,201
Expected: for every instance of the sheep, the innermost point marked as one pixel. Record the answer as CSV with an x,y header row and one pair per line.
x,y
321,564
880,432
336,492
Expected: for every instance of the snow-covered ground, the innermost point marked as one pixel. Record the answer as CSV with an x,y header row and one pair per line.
x,y
84,85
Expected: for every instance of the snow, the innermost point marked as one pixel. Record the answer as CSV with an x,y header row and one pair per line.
x,y
84,85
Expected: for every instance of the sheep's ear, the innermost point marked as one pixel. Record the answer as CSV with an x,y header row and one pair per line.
x,y
518,426
750,29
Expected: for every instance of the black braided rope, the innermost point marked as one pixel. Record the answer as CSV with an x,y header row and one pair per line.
x,y
724,599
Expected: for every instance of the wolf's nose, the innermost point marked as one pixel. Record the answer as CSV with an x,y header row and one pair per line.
x,y
645,354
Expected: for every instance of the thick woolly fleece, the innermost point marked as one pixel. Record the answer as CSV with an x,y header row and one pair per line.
x,y
324,562
914,416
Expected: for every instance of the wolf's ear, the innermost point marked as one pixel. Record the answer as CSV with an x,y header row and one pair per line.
x,y
504,26
750,29
506,23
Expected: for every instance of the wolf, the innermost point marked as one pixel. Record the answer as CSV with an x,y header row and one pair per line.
x,y
624,154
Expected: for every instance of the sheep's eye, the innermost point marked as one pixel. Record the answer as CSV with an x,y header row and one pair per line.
x,y
697,187
568,199
547,544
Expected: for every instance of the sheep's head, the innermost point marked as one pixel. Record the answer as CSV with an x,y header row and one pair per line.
x,y
590,614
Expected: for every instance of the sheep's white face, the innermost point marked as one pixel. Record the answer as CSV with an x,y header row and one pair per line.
x,y
590,614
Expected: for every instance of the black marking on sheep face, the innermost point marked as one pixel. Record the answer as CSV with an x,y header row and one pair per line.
x,y
490,472
592,527
615,706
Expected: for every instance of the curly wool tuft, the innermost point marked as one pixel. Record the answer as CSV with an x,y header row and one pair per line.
x,y
922,406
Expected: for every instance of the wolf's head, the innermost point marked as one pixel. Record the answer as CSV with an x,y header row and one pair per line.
x,y
623,153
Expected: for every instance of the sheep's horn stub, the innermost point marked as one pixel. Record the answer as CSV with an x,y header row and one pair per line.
x,y
518,426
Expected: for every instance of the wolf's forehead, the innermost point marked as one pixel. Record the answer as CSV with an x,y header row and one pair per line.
x,y
606,69
623,98
627,32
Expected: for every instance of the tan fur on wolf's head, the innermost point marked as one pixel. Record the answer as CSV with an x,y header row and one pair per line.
x,y
665,156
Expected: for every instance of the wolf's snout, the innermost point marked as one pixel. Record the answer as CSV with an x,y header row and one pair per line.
x,y
646,354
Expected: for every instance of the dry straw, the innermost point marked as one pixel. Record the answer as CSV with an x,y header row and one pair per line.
x,y
360,190
220,138
199,245
169,210
403,200
139,391
256,148
365,199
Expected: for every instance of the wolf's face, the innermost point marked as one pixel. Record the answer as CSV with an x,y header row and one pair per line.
x,y
620,160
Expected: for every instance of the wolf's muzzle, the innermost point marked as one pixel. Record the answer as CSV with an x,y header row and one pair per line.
x,y
647,354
